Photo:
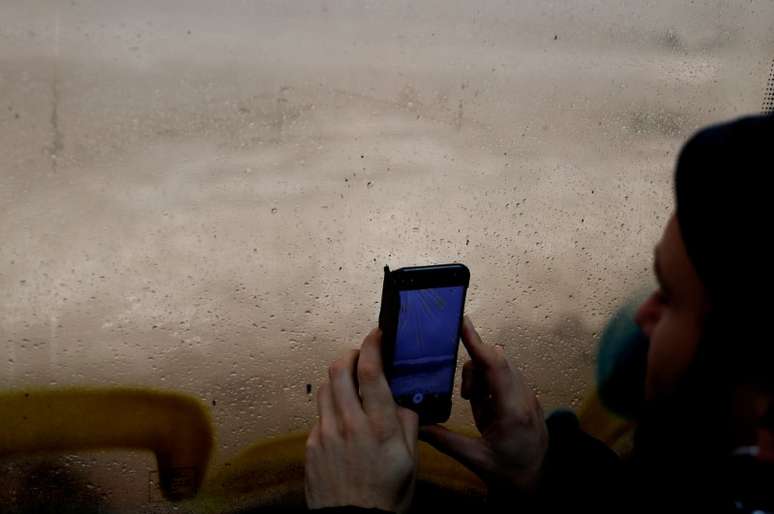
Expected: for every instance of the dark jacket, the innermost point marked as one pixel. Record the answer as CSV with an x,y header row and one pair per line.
x,y
581,474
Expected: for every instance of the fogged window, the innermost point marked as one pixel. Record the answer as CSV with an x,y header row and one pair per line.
x,y
200,196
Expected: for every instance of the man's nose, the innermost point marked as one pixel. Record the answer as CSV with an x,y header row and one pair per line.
x,y
648,314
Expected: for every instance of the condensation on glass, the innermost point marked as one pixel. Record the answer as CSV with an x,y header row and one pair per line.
x,y
200,196
768,98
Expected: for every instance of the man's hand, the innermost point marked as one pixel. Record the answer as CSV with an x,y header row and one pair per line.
x,y
514,439
362,450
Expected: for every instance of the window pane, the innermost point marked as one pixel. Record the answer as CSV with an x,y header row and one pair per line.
x,y
200,196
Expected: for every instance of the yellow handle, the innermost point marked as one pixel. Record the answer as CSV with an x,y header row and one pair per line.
x,y
175,427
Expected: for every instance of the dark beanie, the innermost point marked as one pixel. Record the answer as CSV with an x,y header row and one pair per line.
x,y
724,205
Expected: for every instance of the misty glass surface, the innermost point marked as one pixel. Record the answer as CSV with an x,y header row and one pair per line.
x,y
200,196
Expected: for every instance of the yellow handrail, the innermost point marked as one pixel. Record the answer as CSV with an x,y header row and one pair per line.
x,y
174,426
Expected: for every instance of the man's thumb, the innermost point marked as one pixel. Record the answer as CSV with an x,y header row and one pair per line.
x,y
469,451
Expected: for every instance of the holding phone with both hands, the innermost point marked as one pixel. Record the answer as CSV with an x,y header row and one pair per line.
x,y
421,320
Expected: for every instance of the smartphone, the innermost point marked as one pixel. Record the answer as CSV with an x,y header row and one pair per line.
x,y
421,319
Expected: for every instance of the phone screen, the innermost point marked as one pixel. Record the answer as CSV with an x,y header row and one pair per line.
x,y
426,342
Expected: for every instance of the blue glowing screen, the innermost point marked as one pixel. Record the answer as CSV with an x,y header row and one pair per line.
x,y
426,341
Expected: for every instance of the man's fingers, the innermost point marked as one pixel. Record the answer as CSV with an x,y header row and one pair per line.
x,y
325,411
409,421
490,363
374,389
313,440
468,378
523,400
345,398
469,451
475,384
481,354
372,347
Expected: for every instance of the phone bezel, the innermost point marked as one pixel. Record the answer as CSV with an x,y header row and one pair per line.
x,y
437,408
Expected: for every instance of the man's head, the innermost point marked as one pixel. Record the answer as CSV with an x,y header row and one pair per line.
x,y
713,262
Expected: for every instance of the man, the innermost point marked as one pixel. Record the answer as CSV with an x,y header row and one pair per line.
x,y
705,436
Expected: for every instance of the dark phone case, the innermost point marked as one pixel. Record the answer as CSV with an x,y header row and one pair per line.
x,y
388,319
436,410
